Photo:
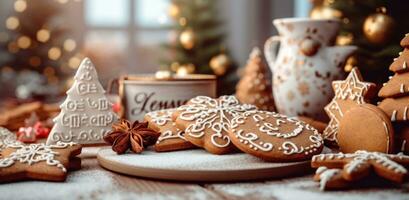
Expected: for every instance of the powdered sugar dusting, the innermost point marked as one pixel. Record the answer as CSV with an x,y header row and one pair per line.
x,y
301,188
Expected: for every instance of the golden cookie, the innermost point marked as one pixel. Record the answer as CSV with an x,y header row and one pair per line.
x,y
365,127
171,138
274,137
207,120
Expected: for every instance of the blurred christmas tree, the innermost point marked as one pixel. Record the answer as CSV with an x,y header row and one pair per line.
x,y
197,44
35,45
372,26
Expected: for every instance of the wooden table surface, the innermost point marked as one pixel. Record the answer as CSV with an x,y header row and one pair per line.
x,y
94,182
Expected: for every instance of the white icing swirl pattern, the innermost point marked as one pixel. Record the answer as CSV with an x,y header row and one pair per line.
x,y
162,118
274,129
214,114
34,153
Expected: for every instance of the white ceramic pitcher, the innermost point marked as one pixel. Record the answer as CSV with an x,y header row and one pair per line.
x,y
304,63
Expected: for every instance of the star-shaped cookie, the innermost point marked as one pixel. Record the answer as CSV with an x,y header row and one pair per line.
x,y
206,121
355,166
348,93
39,161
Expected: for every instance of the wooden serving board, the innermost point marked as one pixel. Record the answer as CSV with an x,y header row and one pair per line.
x,y
198,165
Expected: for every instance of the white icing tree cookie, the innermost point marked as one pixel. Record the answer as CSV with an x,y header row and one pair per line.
x,y
86,114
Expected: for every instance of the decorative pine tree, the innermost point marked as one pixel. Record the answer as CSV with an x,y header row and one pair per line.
x,y
86,115
255,86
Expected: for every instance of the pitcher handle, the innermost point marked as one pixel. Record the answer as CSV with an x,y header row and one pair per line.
x,y
111,83
271,48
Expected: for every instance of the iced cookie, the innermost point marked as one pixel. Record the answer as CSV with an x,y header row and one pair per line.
x,y
330,179
397,86
348,93
207,120
320,126
275,137
360,164
39,161
171,138
365,127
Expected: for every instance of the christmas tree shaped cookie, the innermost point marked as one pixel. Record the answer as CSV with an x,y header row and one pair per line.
x,y
396,90
255,87
86,114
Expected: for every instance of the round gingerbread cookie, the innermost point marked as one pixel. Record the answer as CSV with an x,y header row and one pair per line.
x,y
275,137
365,127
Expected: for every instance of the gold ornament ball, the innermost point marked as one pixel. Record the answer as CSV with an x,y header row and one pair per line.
x,y
187,39
219,64
325,13
344,39
350,63
378,28
174,10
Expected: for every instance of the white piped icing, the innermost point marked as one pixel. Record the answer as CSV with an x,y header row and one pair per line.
x,y
353,89
327,175
393,116
364,158
34,153
403,147
211,113
271,124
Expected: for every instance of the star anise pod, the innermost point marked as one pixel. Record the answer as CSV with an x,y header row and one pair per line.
x,y
125,136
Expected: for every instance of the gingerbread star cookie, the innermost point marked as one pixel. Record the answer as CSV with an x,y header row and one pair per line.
x,y
360,164
274,137
207,120
349,92
39,161
171,138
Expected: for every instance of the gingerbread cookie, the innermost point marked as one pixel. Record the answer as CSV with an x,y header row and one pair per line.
x,y
405,41
274,137
397,86
365,127
330,179
400,64
349,92
207,120
171,138
360,164
6,138
320,126
39,161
